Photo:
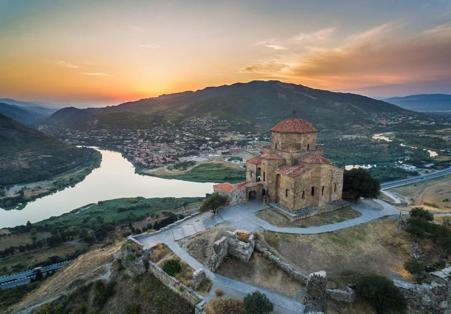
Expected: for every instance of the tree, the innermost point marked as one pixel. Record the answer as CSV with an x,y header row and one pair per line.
x,y
213,202
359,183
225,306
420,213
257,303
381,293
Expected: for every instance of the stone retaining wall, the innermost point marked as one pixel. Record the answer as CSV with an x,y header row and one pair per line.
x,y
280,262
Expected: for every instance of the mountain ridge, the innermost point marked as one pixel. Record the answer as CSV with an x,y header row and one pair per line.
x,y
260,103
423,102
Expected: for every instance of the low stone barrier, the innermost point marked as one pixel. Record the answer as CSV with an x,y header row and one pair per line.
x,y
135,238
280,262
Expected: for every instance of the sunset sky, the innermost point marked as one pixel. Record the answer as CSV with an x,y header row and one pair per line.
x,y
106,52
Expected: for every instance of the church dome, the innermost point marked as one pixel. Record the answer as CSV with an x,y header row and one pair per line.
x,y
293,125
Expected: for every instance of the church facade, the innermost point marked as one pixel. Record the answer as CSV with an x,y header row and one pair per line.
x,y
291,174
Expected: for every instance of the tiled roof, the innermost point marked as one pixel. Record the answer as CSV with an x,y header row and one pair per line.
x,y
292,171
255,160
293,125
272,156
314,158
225,187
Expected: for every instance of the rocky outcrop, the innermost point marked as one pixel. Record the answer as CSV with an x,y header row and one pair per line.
x,y
239,244
316,295
220,251
198,276
431,298
342,295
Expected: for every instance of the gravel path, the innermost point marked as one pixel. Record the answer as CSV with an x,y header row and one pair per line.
x,y
243,216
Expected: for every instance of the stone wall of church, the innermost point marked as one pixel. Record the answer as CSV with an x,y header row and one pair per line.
x,y
286,192
269,168
293,142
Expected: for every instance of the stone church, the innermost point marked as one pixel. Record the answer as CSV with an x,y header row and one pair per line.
x,y
291,174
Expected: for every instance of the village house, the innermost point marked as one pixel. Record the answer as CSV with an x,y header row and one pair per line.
x,y
291,174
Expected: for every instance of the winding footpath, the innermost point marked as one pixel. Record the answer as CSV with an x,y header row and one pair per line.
x,y
243,216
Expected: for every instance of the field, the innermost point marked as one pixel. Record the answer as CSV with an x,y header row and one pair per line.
x,y
433,195
377,247
116,211
29,259
277,219
208,172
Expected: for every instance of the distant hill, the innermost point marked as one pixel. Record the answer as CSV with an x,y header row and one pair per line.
x,y
28,155
257,103
28,113
423,102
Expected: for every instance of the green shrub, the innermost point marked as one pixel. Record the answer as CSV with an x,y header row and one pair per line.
x,y
257,303
213,202
172,267
420,213
381,293
359,183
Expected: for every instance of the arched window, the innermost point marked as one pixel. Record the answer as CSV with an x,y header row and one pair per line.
x,y
264,176
303,194
308,146
312,191
286,193
322,190
335,187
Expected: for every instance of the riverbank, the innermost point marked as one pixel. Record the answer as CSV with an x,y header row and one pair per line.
x,y
203,172
17,197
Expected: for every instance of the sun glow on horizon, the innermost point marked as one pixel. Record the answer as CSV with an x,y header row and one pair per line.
x,y
110,52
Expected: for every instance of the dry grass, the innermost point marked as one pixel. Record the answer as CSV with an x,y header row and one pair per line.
x,y
159,252
260,272
377,247
433,195
86,267
277,219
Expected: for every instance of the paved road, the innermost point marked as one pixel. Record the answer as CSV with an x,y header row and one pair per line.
x,y
243,217
420,178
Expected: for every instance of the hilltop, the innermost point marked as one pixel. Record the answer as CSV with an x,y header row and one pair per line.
x,y
257,104
27,113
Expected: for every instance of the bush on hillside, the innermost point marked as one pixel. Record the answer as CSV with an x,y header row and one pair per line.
x,y
381,293
257,303
421,213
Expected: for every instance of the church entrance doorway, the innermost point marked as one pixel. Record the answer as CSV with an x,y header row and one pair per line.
x,y
252,195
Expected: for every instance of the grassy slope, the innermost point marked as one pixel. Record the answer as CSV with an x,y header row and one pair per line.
x,y
27,155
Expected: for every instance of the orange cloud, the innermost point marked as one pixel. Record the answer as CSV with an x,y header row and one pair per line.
x,y
375,57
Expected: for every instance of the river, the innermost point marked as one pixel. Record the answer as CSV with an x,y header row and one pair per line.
x,y
115,178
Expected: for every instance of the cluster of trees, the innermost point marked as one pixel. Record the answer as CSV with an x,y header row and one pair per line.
x,y
420,224
359,183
